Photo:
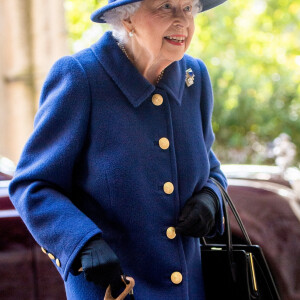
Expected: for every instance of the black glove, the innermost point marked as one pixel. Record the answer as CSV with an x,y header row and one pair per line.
x,y
197,218
101,265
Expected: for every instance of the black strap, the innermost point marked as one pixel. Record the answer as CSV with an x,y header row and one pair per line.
x,y
226,199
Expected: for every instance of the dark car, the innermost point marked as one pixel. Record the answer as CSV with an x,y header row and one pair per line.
x,y
265,197
25,271
268,201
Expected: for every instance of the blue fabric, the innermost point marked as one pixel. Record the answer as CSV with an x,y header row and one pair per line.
x,y
93,165
98,14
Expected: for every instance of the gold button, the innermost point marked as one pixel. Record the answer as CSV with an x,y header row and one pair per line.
x,y
157,99
168,188
171,234
51,256
176,277
44,250
57,261
164,143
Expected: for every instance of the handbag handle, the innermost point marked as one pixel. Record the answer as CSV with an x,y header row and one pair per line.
x,y
226,199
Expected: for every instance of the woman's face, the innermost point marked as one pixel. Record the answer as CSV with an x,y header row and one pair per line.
x,y
163,28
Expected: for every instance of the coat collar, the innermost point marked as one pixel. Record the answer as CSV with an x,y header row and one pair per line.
x,y
134,86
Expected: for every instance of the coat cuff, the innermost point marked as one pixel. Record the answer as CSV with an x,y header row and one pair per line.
x,y
65,272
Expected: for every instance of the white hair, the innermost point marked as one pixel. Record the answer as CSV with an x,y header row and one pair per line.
x,y
115,16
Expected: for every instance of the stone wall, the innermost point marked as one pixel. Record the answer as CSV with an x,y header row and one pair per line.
x,y
32,36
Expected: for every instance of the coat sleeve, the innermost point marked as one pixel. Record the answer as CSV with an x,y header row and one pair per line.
x,y
42,186
206,104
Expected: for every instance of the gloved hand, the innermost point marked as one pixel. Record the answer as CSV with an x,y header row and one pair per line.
x,y
101,265
198,215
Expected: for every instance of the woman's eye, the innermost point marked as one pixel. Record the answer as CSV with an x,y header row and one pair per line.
x,y
166,5
188,8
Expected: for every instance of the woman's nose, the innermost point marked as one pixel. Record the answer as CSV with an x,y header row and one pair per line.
x,y
180,18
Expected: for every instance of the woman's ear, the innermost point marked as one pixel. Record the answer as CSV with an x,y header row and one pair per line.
x,y
127,24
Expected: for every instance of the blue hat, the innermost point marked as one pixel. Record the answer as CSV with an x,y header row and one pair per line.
x,y
98,14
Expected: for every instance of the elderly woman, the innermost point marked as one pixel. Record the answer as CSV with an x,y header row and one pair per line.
x,y
115,178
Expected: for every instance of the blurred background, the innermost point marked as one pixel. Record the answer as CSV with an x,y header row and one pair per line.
x,y
251,49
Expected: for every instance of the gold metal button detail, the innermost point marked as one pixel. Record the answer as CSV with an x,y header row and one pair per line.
x,y
164,143
44,250
51,256
57,261
171,233
168,188
157,99
176,277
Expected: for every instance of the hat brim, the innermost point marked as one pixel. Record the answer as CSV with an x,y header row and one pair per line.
x,y
97,15
209,4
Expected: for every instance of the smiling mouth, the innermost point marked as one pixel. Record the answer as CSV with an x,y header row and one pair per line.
x,y
176,39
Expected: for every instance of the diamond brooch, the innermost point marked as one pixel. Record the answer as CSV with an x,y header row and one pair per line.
x,y
189,77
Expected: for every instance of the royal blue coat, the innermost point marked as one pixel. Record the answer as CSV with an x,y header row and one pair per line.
x,y
95,163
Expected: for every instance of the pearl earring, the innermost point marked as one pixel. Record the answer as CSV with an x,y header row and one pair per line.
x,y
131,33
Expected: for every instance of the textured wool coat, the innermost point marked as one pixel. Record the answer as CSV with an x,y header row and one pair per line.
x,y
96,163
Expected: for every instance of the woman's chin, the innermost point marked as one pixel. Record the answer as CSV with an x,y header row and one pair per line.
x,y
174,56
175,52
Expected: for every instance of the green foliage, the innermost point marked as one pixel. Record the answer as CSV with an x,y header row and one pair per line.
x,y
252,51
82,31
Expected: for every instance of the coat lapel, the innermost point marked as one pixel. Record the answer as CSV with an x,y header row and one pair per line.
x,y
125,75
173,80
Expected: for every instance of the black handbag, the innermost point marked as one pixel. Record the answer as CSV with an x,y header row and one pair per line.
x,y
235,271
